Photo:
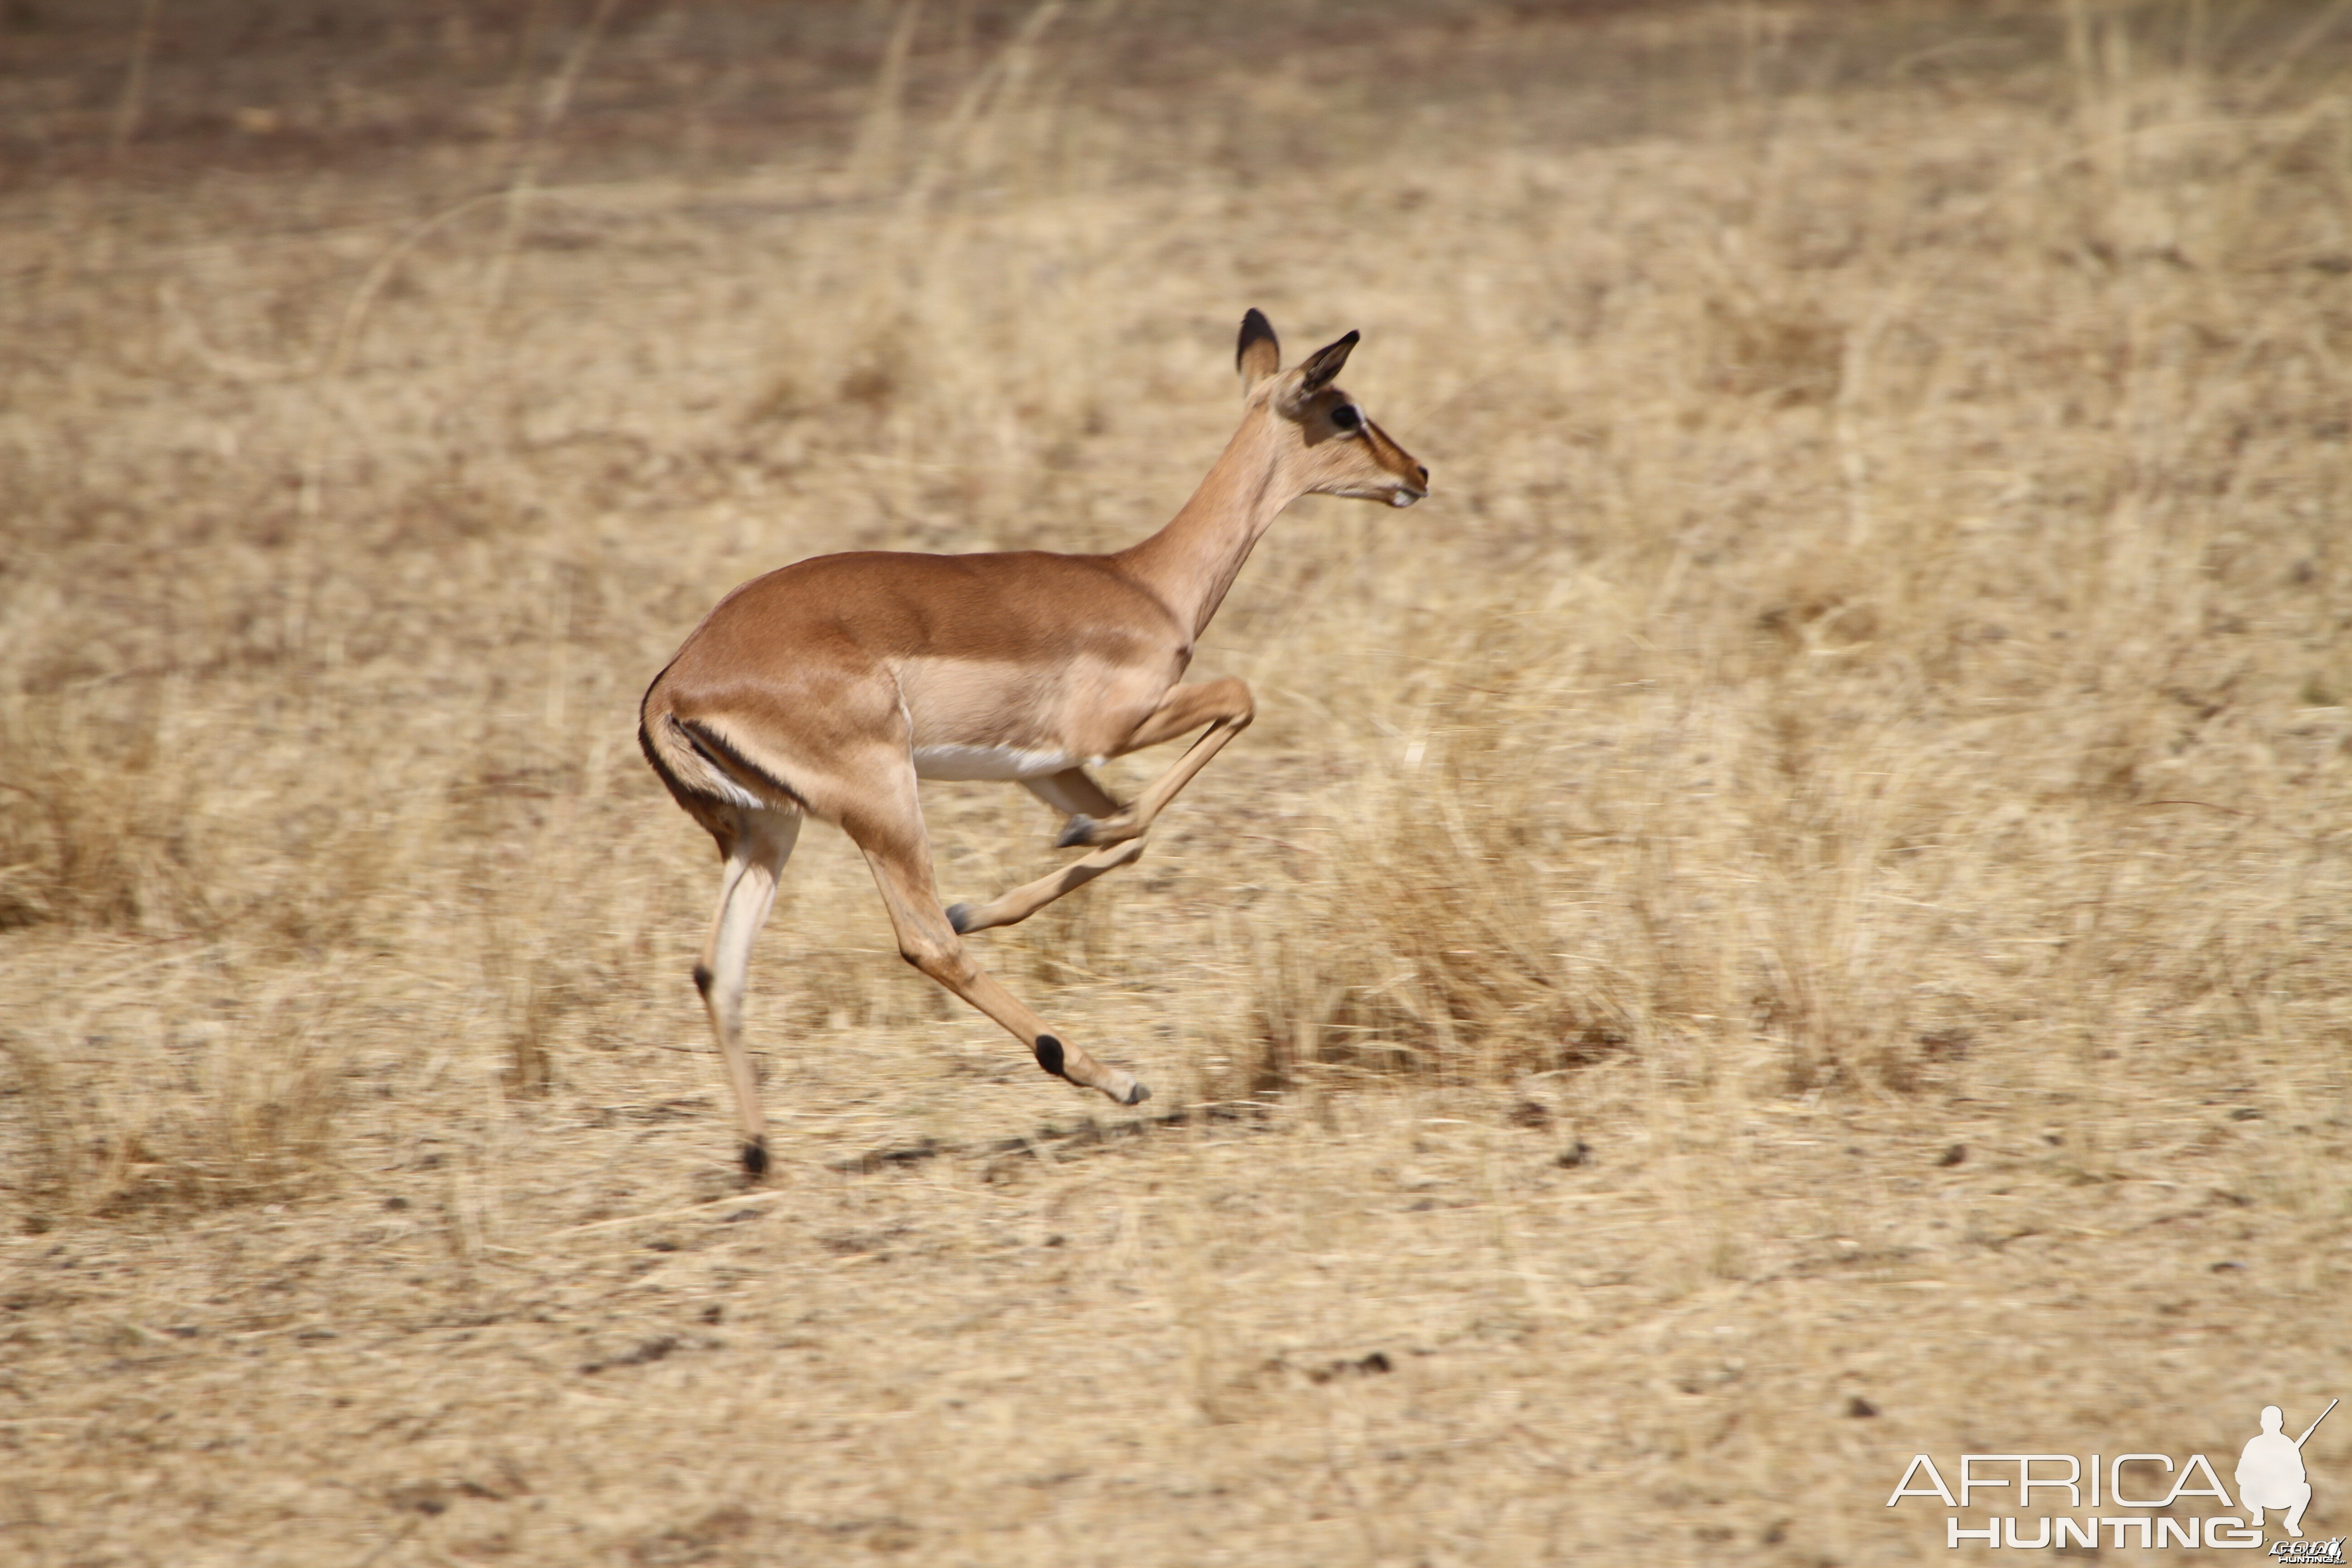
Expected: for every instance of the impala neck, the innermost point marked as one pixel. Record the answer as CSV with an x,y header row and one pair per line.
x,y
1192,561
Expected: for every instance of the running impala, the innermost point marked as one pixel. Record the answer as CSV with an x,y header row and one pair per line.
x,y
828,688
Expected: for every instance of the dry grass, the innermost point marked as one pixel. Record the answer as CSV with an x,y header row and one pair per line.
x,y
1810,879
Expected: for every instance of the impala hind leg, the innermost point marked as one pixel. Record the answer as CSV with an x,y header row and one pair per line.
x,y
890,834
762,841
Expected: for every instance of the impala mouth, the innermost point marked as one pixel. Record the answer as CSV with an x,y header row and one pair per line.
x,y
1401,498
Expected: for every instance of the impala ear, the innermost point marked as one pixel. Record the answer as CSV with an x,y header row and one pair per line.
x,y
1259,352
1322,366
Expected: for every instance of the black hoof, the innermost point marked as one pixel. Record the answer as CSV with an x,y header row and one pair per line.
x,y
1049,1053
1138,1094
959,917
1076,833
755,1156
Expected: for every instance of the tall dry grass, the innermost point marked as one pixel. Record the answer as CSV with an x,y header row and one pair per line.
x,y
1881,612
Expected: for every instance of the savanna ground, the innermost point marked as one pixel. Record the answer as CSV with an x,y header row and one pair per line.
x,y
1795,913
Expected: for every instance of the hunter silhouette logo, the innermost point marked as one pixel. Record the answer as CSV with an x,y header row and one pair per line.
x,y
2089,1502
2270,1471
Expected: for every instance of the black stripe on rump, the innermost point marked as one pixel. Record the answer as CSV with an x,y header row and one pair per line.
x,y
715,749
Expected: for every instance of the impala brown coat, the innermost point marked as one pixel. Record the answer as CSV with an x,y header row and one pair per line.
x,y
826,689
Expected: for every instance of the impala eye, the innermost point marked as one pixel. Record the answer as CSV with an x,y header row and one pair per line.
x,y
1346,417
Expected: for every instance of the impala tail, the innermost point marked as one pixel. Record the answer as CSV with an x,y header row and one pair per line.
x,y
705,771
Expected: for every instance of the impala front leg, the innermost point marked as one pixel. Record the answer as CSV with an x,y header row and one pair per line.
x,y
1223,705
1012,908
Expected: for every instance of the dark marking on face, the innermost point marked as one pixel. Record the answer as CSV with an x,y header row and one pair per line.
x,y
1049,1053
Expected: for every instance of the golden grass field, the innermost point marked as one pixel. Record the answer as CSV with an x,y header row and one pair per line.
x,y
1796,913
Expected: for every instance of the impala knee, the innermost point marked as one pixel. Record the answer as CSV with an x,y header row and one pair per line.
x,y
1241,707
945,961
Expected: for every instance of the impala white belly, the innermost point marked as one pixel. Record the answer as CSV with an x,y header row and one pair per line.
x,y
994,762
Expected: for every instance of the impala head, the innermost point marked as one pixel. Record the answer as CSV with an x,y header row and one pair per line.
x,y
1335,449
